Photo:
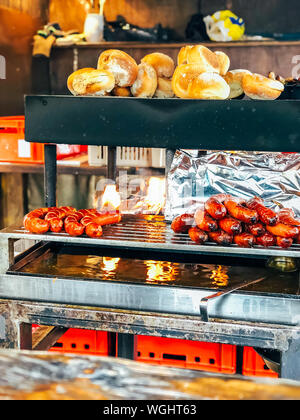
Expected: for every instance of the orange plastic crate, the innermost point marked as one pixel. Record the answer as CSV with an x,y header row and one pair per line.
x,y
254,365
187,354
13,147
83,342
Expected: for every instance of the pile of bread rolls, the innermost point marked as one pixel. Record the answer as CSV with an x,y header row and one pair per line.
x,y
200,74
118,74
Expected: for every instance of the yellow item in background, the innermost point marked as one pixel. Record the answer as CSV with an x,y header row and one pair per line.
x,y
224,26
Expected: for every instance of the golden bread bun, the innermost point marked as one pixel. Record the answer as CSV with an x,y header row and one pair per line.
x,y
260,87
91,82
234,78
182,77
121,91
182,55
162,64
224,62
204,57
208,86
146,82
164,88
121,65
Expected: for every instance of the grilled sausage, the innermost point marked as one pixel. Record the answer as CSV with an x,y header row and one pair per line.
x,y
205,222
108,219
245,240
239,212
285,231
215,208
74,228
266,240
183,223
230,225
221,238
256,229
287,216
56,225
284,242
93,230
266,215
197,235
34,221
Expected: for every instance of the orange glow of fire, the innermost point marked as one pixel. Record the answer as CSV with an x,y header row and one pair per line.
x,y
110,264
155,199
220,276
160,271
111,199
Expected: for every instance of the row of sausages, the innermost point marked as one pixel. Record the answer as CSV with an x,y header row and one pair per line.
x,y
227,220
73,222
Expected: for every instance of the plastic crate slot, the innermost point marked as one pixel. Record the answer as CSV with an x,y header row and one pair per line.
x,y
174,357
197,359
212,361
58,345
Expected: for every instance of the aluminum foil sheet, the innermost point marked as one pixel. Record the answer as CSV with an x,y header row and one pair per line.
x,y
195,176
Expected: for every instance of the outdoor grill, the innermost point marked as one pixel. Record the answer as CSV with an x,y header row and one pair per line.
x,y
257,306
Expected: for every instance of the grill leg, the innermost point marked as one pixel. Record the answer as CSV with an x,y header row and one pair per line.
x,y
126,346
50,175
112,163
290,361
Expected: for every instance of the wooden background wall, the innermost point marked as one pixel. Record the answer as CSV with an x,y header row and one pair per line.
x,y
19,20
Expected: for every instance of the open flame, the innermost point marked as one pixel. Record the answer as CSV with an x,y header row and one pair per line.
x,y
111,199
155,199
220,276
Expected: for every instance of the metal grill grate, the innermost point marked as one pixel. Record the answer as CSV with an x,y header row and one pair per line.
x,y
152,233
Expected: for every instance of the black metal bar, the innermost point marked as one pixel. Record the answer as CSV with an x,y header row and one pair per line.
x,y
50,175
112,163
126,348
164,123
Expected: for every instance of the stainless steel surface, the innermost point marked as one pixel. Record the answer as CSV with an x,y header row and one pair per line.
x,y
204,302
151,233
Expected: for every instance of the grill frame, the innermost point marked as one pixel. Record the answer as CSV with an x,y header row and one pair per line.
x,y
152,234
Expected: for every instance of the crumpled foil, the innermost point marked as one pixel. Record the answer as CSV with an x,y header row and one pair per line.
x,y
194,177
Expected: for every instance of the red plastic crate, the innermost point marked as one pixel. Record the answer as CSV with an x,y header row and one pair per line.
x,y
254,365
187,354
13,147
80,341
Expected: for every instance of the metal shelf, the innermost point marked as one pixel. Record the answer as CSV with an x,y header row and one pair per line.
x,y
164,123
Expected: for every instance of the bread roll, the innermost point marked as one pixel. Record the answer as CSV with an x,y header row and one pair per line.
x,y
208,86
121,65
182,56
146,82
260,87
164,88
224,62
204,57
162,64
182,77
121,91
91,82
234,78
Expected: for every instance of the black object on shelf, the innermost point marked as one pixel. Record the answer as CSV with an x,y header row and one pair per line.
x,y
196,29
121,30
164,123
